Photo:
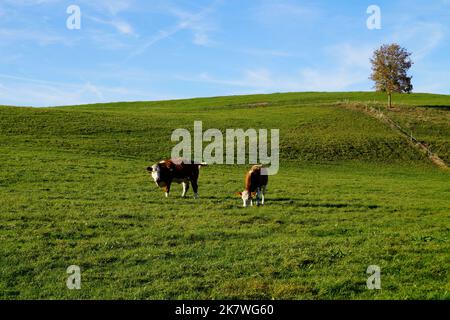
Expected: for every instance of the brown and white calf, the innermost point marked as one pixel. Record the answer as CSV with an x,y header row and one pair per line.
x,y
180,171
255,184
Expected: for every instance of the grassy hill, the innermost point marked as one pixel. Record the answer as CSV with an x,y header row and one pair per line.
x,y
350,193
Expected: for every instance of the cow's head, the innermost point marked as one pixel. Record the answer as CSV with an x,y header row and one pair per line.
x,y
247,197
155,171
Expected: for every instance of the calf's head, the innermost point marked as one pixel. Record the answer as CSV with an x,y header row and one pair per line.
x,y
246,197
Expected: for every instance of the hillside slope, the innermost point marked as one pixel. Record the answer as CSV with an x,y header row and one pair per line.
x,y
350,193
312,127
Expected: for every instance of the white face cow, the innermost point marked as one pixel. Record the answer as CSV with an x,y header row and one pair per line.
x,y
246,198
167,172
156,173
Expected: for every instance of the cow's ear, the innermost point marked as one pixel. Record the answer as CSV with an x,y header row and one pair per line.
x,y
239,194
149,169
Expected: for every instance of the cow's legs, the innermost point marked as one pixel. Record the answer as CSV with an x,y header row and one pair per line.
x,y
195,188
185,189
167,190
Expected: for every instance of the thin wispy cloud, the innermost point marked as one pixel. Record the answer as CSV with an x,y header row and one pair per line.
x,y
422,38
120,26
308,79
351,55
110,7
42,38
30,2
49,93
347,69
160,35
271,12
267,52
129,49
195,22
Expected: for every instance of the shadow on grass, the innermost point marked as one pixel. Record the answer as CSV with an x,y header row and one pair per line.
x,y
446,108
299,203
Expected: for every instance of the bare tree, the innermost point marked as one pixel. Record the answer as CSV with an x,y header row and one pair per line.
x,y
390,65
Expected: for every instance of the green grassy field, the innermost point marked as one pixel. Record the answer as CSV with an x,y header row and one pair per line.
x,y
350,193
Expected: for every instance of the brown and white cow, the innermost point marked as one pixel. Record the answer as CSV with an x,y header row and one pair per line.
x,y
180,171
255,184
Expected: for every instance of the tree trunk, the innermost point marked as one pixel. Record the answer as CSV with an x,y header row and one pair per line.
x,y
390,100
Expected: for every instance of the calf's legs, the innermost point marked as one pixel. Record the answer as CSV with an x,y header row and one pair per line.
x,y
260,195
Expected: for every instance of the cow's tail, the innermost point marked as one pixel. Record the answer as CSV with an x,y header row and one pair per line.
x,y
199,164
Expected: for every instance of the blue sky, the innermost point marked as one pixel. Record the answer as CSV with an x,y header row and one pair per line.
x,y
129,50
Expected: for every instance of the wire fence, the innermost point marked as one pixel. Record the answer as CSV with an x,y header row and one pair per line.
x,y
378,113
